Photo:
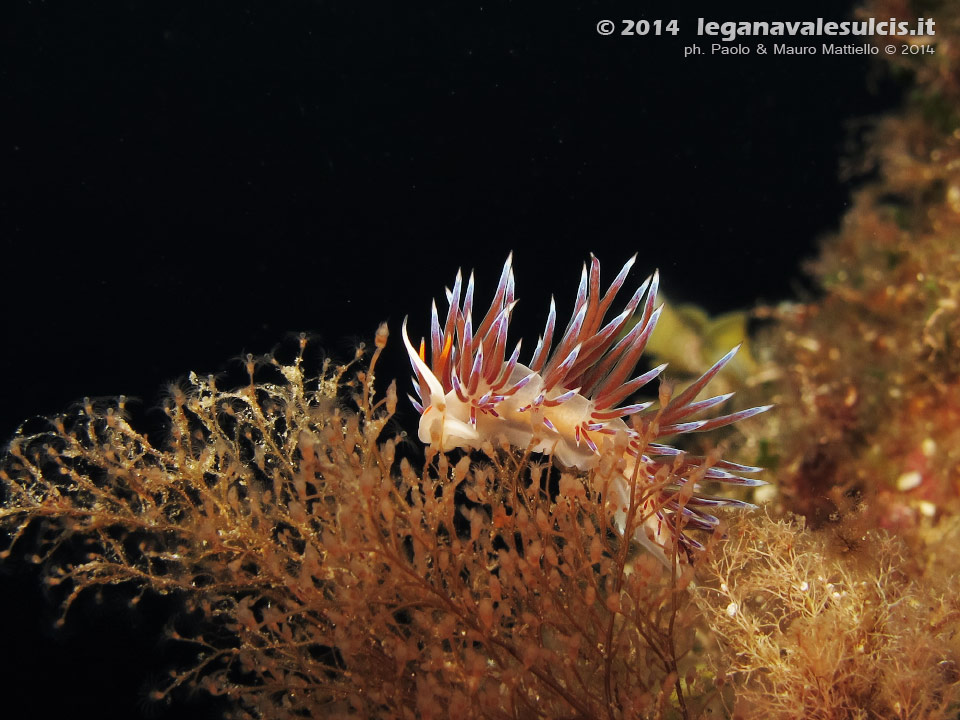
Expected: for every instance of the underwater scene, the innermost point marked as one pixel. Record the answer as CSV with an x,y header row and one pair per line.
x,y
481,362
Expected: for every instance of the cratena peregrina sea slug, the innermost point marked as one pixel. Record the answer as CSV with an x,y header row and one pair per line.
x,y
567,401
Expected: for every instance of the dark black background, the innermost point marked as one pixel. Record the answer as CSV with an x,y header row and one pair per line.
x,y
181,182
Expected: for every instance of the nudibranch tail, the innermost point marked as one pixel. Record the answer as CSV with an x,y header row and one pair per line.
x,y
568,401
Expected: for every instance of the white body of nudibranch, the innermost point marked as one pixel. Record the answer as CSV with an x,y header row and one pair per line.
x,y
566,403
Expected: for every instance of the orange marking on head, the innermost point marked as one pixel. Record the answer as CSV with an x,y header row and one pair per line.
x,y
423,351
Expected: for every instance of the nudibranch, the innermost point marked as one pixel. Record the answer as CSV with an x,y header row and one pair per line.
x,y
568,401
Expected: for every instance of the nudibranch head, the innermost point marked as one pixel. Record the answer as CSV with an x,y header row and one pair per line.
x,y
568,401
